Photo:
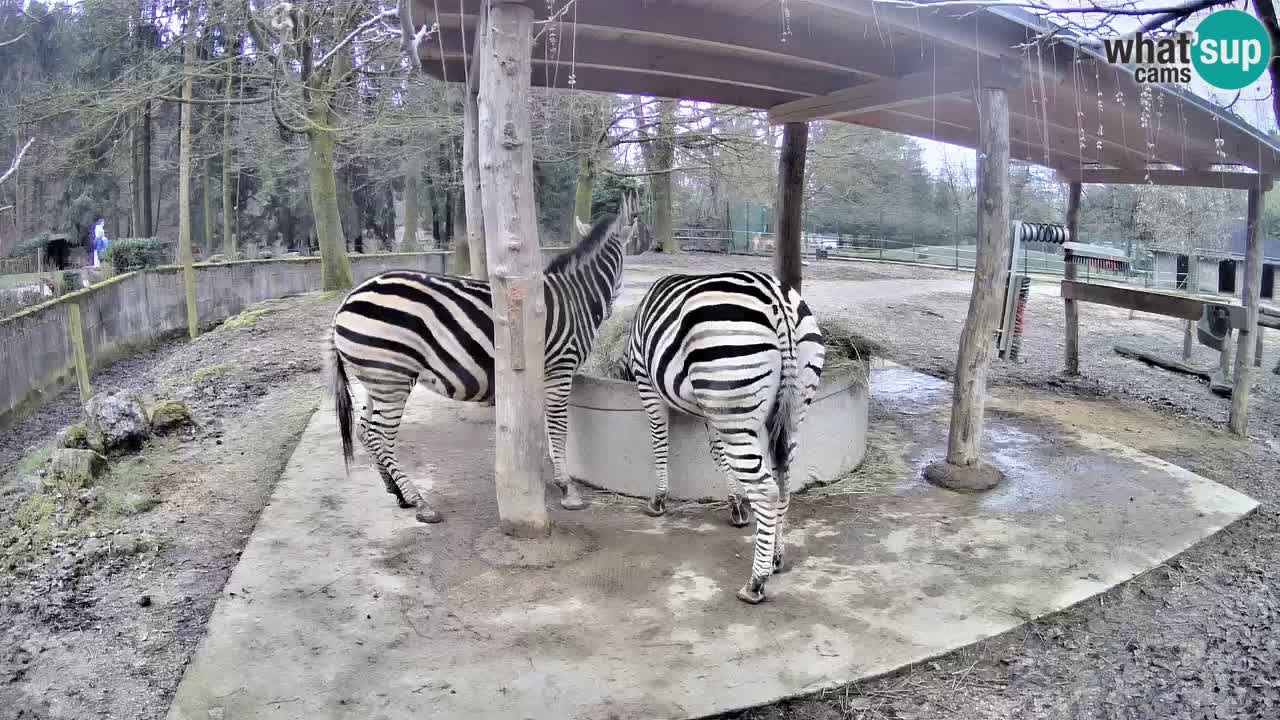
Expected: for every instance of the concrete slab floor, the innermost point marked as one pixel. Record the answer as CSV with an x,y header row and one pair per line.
x,y
342,606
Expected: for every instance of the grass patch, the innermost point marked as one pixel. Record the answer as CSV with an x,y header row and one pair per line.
x,y
245,319
208,372
34,518
125,491
32,462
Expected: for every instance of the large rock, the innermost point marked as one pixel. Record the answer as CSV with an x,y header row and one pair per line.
x,y
169,415
73,469
115,422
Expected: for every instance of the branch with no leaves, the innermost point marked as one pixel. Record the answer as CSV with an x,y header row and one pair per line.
x,y
16,162
14,40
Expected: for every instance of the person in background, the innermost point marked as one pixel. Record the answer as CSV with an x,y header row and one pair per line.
x,y
99,239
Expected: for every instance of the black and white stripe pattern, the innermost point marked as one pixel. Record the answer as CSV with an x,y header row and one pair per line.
x,y
743,353
406,328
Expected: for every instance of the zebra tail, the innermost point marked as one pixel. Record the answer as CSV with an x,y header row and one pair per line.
x,y
340,387
782,423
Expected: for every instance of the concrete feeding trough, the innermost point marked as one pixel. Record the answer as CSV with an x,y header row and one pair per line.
x,y
609,446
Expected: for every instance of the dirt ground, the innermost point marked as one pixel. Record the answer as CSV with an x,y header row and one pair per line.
x,y
1193,638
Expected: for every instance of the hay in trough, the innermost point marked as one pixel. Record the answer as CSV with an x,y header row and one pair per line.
x,y
849,353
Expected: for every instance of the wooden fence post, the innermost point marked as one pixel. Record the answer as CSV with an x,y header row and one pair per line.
x,y
790,203
1239,419
963,469
515,267
1069,273
75,331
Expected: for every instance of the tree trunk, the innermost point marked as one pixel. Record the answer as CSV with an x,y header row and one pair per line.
x,y
963,468
335,266
206,193
409,239
472,198
663,161
136,218
184,191
790,204
582,192
146,225
228,209
510,219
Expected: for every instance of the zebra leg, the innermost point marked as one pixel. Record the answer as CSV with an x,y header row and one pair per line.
x,y
384,423
784,501
739,508
659,416
745,454
557,430
362,428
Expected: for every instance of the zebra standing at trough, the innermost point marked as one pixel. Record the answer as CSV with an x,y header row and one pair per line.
x,y
402,328
743,353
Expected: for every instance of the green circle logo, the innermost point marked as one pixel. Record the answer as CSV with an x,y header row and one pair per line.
x,y
1231,49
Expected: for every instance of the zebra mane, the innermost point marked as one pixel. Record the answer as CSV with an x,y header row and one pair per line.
x,y
585,249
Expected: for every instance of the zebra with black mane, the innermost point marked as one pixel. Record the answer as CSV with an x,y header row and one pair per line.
x,y
405,328
743,353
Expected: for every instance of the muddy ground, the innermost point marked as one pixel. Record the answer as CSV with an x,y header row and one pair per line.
x,y
103,624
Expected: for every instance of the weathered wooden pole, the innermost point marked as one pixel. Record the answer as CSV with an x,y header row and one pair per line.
x,y
472,195
1069,273
1239,420
515,266
790,203
963,469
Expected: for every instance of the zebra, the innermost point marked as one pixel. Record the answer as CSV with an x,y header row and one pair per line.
x,y
743,353
402,328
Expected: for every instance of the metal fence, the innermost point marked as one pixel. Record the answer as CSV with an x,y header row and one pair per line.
x,y
935,252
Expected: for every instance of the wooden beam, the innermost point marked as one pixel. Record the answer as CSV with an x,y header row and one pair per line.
x,y
790,203
1156,303
625,56
961,29
472,195
1178,178
1069,273
1238,421
964,443
515,269
893,92
755,40
1161,362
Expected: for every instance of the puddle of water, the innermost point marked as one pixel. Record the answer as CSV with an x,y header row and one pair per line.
x,y
908,392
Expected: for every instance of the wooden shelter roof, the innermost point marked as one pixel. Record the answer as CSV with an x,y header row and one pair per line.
x,y
906,70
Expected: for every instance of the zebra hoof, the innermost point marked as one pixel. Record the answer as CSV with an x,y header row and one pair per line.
x,y
751,596
404,504
739,513
427,515
656,508
778,564
572,502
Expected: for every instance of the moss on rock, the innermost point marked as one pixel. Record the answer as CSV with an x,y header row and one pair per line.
x,y
74,436
169,415
73,470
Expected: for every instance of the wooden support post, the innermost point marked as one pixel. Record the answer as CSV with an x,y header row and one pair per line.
x,y
790,203
1239,420
1188,337
963,469
472,196
1257,349
75,332
515,267
1069,273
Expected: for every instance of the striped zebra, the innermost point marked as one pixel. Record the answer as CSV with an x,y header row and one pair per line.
x,y
745,355
405,328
